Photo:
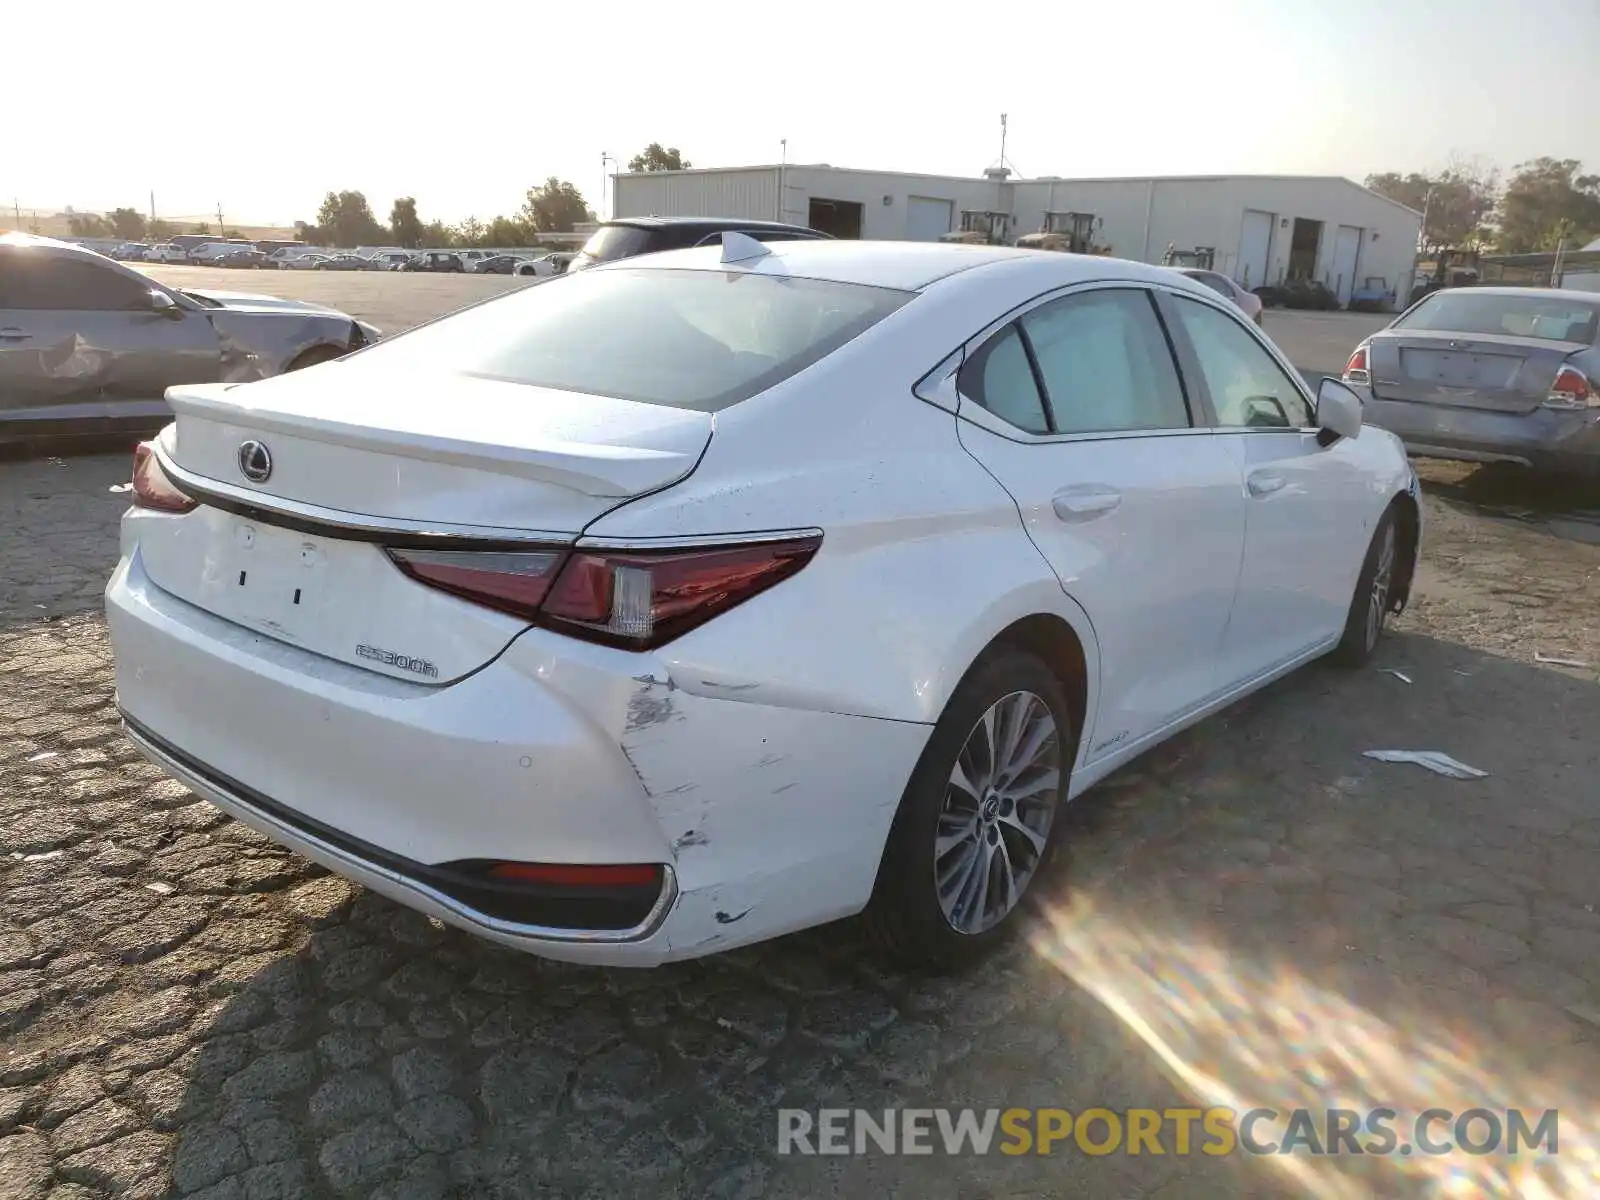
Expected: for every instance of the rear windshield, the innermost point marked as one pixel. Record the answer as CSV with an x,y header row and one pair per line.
x,y
611,242
1545,318
700,340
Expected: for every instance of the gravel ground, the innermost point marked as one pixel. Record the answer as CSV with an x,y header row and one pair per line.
x,y
1254,914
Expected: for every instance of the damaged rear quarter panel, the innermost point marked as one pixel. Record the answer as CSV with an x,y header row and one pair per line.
x,y
777,816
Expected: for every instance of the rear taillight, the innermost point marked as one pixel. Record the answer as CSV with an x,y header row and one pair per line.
x,y
641,600
632,599
1355,371
514,582
1571,389
151,487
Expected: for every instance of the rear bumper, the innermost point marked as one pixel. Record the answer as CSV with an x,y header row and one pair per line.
x,y
766,819
1547,439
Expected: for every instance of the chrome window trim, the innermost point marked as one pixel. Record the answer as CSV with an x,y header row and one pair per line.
x,y
944,375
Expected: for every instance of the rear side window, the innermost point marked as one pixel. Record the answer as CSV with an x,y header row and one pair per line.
x,y
700,340
1105,364
1545,318
1000,378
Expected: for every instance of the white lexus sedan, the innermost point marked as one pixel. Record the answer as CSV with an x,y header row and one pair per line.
x,y
705,596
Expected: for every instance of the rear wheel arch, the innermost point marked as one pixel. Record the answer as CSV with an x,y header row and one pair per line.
x,y
1408,528
1052,640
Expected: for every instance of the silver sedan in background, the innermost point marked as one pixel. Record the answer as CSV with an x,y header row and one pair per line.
x,y
1489,374
1247,302
89,346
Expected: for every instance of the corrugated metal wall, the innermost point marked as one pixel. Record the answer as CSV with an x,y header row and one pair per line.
x,y
752,194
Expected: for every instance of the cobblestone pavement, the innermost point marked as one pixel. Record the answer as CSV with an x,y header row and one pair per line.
x,y
1256,915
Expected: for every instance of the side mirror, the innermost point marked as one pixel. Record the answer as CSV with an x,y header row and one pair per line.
x,y
1338,412
164,305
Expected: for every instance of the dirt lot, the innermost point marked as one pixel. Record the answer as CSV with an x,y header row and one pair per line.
x,y
1256,915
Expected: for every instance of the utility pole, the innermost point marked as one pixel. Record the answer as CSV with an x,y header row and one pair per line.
x,y
152,206
221,229
16,207
605,157
783,164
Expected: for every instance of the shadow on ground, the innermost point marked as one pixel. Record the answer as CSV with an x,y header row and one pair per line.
x,y
1256,916
1563,506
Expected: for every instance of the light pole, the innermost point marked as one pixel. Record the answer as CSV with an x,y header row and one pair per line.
x,y
783,164
605,158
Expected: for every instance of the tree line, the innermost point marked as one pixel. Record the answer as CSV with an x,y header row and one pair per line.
x,y
1544,202
346,218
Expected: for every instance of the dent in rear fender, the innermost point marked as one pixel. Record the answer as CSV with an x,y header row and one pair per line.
x,y
777,818
878,629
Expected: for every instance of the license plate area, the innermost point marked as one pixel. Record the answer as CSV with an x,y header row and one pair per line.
x,y
1459,368
264,576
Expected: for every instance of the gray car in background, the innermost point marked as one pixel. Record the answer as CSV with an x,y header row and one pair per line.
x,y
88,346
1247,302
1487,374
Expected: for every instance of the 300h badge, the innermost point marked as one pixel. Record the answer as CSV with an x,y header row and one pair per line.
x,y
417,666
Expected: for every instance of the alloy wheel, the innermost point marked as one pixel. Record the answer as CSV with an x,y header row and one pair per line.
x,y
999,805
1382,579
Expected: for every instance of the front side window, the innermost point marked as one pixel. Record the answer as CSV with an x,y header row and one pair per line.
x,y
1105,364
57,283
700,340
1248,388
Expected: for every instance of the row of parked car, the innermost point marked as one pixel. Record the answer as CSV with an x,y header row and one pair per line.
x,y
236,254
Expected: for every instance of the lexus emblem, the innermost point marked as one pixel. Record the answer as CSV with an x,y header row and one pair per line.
x,y
255,462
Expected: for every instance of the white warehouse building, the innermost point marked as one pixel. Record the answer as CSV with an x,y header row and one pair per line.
x,y
1257,228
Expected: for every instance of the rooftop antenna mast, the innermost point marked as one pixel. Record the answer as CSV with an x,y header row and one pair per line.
x,y
1003,160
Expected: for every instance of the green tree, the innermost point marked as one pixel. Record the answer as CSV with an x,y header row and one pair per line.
x,y
404,224
555,207
347,219
127,223
162,231
655,157
88,225
436,235
1549,199
508,231
202,228
1455,202
471,232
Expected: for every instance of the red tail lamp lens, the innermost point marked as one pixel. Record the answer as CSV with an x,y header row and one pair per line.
x,y
151,487
565,875
639,600
513,582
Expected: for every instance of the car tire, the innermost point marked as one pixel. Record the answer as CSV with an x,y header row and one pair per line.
x,y
313,356
1369,607
927,908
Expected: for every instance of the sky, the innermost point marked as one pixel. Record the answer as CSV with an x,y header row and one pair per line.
x,y
466,105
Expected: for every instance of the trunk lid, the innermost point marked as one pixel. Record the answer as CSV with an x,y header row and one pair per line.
x,y
354,449
1490,372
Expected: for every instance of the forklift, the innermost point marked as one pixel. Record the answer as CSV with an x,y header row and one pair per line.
x,y
1068,233
980,227
1201,258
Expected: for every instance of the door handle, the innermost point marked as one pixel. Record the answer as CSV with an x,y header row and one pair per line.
x,y
1085,502
12,334
1264,483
